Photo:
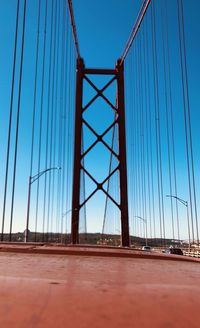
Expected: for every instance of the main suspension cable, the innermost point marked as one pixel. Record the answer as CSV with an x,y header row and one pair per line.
x,y
135,28
74,27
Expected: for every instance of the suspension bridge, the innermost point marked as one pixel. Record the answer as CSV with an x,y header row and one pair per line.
x,y
94,157
107,146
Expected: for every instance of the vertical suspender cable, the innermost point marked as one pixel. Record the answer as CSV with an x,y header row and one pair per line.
x,y
70,125
61,114
84,189
64,129
187,140
158,138
55,128
172,120
109,172
148,123
138,139
152,187
156,128
41,118
143,198
18,117
51,120
132,138
167,121
130,130
48,117
10,120
144,132
69,130
136,99
185,88
35,90
156,119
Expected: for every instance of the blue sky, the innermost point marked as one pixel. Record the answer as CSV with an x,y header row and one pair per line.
x,y
103,28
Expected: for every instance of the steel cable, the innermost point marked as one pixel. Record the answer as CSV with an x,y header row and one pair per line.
x,y
185,89
17,119
41,118
48,121
10,120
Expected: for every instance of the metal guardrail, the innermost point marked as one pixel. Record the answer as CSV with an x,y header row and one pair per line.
x,y
193,254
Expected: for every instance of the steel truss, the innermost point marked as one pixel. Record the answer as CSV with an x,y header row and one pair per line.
x,y
119,120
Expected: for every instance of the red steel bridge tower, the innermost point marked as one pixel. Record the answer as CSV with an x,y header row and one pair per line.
x,y
117,76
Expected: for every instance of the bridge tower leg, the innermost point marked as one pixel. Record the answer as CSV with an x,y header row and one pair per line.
x,y
118,75
77,152
122,155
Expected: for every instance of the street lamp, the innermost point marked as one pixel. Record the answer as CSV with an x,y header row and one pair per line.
x,y
63,215
144,222
32,179
185,203
62,223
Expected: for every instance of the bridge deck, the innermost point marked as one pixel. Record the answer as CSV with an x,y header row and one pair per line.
x,y
75,288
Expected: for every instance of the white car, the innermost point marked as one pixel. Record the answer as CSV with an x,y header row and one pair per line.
x,y
146,248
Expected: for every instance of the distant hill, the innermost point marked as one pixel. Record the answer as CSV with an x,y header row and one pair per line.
x,y
91,238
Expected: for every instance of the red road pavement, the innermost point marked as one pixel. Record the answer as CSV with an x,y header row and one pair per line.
x,y
82,289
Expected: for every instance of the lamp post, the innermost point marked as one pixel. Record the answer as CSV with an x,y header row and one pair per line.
x,y
63,215
144,222
185,203
32,179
